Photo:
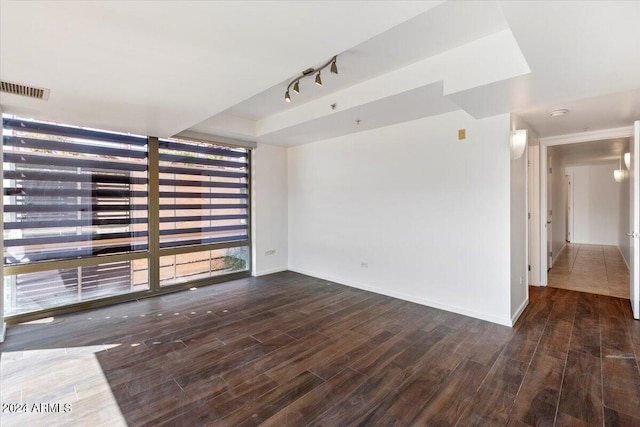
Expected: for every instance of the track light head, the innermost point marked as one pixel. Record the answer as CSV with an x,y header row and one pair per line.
x,y
295,83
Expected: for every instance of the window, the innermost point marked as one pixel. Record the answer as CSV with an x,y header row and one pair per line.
x,y
204,193
78,217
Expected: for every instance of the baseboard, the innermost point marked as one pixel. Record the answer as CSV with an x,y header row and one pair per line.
x,y
270,271
405,297
3,331
518,312
558,254
623,258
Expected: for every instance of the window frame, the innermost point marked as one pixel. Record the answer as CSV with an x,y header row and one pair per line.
x,y
152,254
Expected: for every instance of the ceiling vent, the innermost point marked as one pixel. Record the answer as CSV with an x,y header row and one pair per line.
x,y
18,89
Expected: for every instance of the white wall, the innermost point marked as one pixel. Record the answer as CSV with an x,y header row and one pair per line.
x,y
559,203
269,209
533,185
409,211
596,204
624,242
519,226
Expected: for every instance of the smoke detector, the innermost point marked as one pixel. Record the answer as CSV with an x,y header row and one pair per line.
x,y
559,112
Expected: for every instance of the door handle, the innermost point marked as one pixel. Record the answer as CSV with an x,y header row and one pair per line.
x,y
548,222
632,234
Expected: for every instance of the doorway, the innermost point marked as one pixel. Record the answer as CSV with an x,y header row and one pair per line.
x,y
584,257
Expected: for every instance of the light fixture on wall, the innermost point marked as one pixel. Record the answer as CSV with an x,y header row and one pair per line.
x,y
627,160
518,143
618,174
308,73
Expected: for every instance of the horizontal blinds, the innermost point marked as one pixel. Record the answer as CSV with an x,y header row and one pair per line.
x,y
204,193
72,192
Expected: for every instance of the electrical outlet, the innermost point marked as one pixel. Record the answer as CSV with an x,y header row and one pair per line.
x,y
521,280
270,252
364,264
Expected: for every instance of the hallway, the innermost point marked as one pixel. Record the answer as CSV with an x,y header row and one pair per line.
x,y
591,268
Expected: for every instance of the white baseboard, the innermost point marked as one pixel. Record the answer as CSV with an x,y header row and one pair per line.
x,y
518,312
410,298
559,252
270,271
623,258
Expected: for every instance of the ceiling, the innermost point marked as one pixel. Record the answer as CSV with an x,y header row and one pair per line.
x,y
609,151
159,68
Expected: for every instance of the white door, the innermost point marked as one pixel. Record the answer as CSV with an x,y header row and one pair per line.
x,y
634,233
569,207
549,216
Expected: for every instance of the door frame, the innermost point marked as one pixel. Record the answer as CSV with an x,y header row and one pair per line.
x,y
634,222
569,207
533,183
574,138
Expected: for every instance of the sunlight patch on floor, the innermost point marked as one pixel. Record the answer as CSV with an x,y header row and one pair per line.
x,y
57,387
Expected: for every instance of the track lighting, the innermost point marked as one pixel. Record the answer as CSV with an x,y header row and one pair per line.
x,y
308,73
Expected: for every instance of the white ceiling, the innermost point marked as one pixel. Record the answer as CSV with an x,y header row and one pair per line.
x,y
158,68
609,151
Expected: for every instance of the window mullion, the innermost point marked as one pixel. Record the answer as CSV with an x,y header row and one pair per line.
x,y
154,212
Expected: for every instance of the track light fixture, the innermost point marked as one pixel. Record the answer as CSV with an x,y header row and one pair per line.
x,y
308,73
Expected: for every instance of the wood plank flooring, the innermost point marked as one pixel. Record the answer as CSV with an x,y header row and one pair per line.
x,y
292,350
591,268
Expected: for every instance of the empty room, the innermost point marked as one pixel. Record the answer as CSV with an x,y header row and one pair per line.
x,y
292,213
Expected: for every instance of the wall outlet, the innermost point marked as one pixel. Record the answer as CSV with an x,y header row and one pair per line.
x,y
270,252
364,264
521,280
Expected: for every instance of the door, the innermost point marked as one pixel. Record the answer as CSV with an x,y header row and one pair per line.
x,y
549,216
634,206
569,220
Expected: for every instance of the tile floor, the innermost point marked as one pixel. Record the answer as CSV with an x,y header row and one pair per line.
x,y
591,268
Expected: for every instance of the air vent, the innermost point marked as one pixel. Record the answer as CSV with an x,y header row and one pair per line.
x,y
18,89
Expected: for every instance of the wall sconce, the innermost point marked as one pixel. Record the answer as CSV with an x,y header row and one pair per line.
x,y
618,174
627,160
518,143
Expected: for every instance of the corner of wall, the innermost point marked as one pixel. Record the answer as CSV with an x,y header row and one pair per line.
x,y
269,209
519,188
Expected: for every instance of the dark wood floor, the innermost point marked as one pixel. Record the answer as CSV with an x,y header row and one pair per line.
x,y
288,349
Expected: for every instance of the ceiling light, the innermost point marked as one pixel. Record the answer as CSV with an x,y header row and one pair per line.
x,y
627,160
308,73
559,112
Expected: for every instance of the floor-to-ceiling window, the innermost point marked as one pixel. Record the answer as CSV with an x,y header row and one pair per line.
x,y
91,214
